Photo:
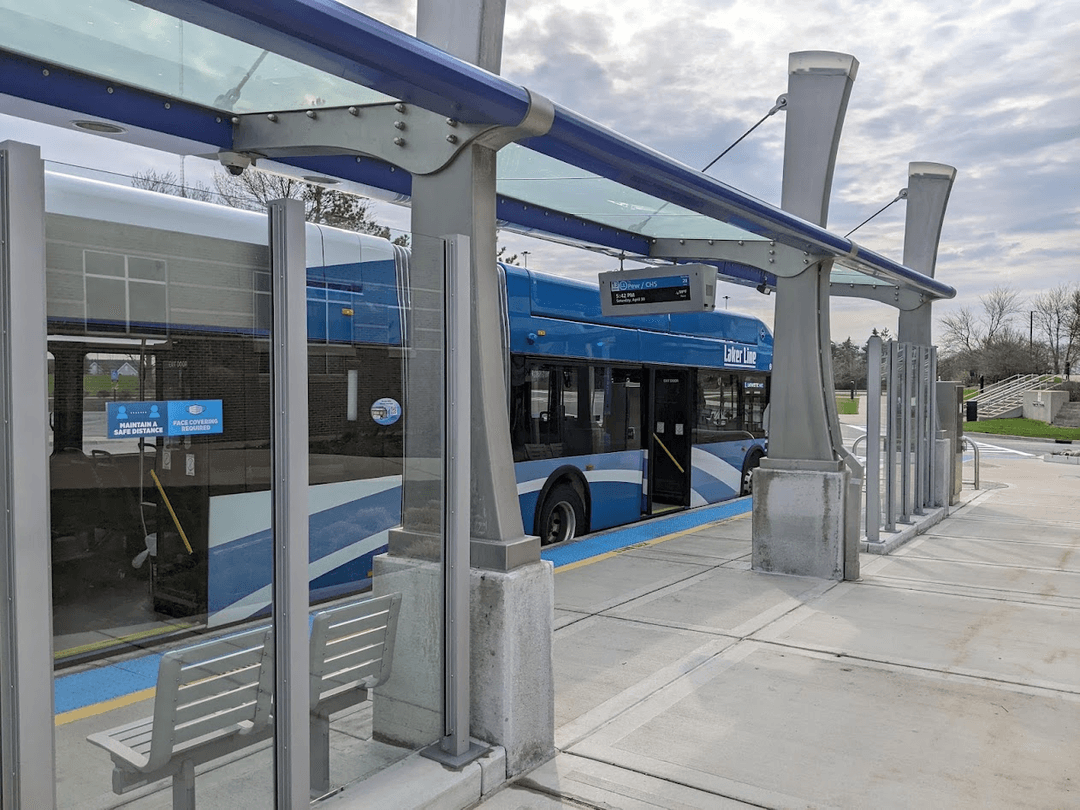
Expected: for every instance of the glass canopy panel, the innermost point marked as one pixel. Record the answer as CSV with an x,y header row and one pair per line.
x,y
143,48
847,275
537,179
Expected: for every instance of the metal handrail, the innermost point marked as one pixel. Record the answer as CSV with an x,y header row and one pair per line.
x,y
855,444
975,448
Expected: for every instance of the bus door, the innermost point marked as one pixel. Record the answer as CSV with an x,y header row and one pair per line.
x,y
669,439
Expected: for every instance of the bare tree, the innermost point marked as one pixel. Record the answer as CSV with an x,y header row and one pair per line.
x,y
985,342
1000,305
961,331
169,183
253,189
1056,320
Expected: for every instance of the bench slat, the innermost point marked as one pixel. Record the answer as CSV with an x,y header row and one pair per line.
x,y
232,719
230,659
342,627
244,697
217,684
358,665
369,638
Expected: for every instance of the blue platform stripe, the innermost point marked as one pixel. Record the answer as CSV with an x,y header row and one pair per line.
x,y
597,544
105,683
110,681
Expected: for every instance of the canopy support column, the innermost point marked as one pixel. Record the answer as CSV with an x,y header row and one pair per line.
x,y
512,590
929,186
801,525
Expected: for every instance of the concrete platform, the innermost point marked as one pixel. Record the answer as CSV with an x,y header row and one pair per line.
x,y
948,676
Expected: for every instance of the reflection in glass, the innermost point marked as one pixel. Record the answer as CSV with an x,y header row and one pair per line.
x,y
159,476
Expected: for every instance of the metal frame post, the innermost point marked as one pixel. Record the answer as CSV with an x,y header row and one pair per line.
x,y
905,433
891,395
928,433
457,466
920,430
935,429
289,497
873,440
27,751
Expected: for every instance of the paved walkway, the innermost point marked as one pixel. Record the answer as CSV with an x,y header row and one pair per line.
x,y
948,677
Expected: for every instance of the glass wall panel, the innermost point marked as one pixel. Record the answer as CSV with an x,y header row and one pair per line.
x,y
159,381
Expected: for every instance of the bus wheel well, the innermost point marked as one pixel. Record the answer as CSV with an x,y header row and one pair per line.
x,y
572,476
753,459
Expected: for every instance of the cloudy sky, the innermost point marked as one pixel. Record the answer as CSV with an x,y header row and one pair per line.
x,y
988,86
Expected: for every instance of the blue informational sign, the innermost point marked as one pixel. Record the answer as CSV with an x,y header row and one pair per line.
x,y
197,417
386,411
127,419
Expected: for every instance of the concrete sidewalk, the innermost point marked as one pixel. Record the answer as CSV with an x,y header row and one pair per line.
x,y
948,677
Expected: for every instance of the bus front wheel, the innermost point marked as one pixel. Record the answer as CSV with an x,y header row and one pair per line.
x,y
561,516
752,464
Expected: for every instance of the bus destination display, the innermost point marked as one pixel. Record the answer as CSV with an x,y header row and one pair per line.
x,y
658,290
650,290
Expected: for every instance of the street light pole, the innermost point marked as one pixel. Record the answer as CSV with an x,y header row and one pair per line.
x,y
726,297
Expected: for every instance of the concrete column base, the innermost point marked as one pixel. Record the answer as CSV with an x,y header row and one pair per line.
x,y
407,709
943,457
800,512
513,681
513,691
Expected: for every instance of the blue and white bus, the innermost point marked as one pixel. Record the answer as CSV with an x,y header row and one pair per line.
x,y
158,303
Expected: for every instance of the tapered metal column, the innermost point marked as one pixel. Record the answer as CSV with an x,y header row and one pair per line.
x,y
289,497
803,421
461,200
928,189
801,489
504,694
26,660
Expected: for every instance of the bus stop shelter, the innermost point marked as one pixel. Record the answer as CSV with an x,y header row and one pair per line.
x,y
315,89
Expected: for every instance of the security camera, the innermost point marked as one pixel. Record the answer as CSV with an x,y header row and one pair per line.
x,y
235,162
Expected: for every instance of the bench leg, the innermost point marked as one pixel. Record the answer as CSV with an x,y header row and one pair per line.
x,y
183,787
320,754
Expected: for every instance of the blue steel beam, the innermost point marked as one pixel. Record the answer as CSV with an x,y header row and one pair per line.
x,y
346,43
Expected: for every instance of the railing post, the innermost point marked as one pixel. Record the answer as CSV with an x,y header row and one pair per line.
x,y
891,396
906,497
873,440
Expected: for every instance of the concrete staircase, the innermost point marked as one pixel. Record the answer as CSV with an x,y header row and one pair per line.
x,y
1005,399
1069,415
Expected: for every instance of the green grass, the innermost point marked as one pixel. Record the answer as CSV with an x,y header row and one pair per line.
x,y
1022,427
846,405
93,384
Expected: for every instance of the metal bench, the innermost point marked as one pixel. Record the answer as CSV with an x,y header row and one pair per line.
x,y
212,698
352,649
216,697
